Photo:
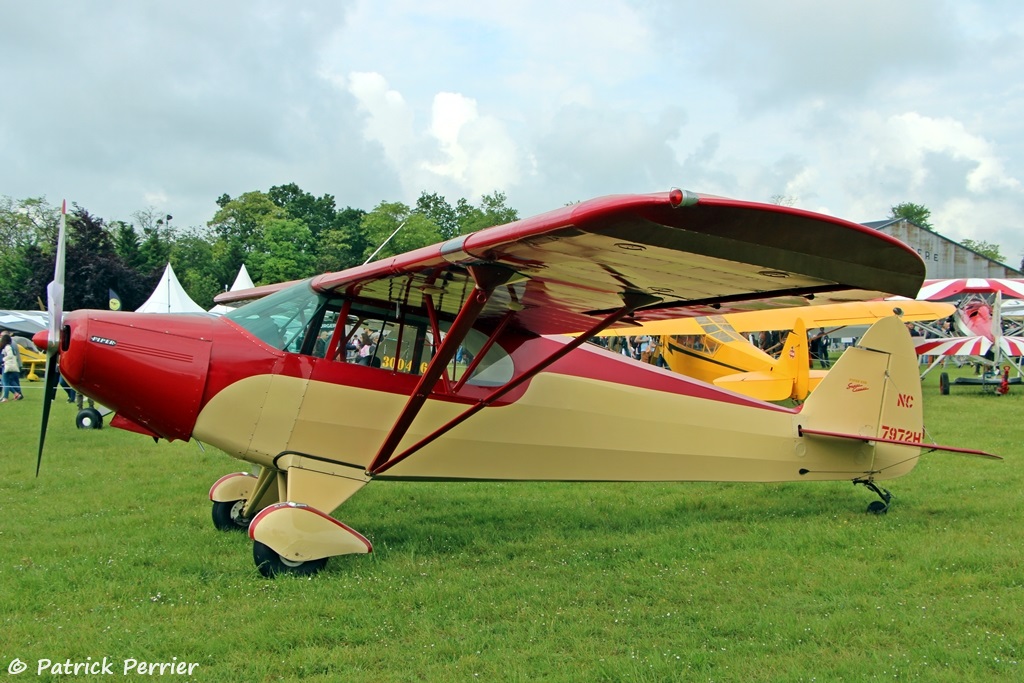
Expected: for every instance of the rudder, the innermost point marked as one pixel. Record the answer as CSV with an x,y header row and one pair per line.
x,y
874,392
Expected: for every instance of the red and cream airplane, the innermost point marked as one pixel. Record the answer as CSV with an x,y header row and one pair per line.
x,y
460,374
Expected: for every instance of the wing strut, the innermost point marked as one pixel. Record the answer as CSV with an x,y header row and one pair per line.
x,y
487,278
631,301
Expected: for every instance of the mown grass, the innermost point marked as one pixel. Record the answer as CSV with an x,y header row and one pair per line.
x,y
111,552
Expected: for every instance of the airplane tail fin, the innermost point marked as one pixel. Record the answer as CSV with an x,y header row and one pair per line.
x,y
794,361
867,411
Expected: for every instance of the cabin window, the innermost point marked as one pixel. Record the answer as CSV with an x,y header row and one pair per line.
x,y
698,342
298,320
381,339
493,370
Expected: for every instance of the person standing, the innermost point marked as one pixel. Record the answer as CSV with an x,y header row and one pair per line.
x,y
11,370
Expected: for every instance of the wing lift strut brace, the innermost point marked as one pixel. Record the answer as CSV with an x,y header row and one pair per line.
x,y
488,277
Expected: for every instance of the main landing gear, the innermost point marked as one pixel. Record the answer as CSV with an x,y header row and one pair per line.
x,y
876,507
290,537
89,418
227,515
270,563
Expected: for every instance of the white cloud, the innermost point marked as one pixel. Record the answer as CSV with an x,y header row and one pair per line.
x,y
849,108
479,154
389,120
906,141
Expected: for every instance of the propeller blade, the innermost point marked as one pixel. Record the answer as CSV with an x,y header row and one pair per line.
x,y
49,391
55,307
55,290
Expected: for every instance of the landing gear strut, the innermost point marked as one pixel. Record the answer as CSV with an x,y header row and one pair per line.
x,y
876,507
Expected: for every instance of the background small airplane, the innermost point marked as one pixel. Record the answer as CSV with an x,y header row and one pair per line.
x,y
481,387
715,349
979,331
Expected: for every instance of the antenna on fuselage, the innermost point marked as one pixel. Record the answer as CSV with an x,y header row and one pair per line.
x,y
377,250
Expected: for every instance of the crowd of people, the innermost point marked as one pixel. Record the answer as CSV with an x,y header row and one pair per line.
x,y
643,348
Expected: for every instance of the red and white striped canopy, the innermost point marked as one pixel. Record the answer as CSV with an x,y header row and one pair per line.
x,y
953,346
936,290
1012,346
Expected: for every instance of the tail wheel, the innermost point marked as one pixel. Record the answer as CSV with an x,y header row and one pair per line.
x,y
89,418
270,564
227,515
944,384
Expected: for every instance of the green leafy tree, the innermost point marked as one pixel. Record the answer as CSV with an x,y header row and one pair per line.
x,y
986,249
155,238
342,247
436,208
239,224
92,267
127,244
318,213
286,252
918,214
28,238
492,211
200,274
380,225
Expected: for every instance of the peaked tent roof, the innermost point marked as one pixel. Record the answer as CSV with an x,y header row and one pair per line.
x,y
242,281
169,297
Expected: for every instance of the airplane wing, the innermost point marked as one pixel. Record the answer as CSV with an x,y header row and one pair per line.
x,y
1012,346
23,322
934,290
673,254
826,315
952,346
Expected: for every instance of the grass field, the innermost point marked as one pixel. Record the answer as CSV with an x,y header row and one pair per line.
x,y
111,553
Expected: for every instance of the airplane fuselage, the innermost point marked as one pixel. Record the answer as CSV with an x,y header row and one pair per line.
x,y
592,415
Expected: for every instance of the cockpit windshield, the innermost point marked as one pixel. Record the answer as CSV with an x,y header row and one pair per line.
x,y
282,318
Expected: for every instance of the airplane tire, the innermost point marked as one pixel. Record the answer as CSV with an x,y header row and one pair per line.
x,y
270,564
227,515
944,384
877,507
89,418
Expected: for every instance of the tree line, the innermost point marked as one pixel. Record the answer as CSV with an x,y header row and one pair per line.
x,y
285,233
282,234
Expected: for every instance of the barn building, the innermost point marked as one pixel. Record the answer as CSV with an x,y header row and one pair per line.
x,y
943,257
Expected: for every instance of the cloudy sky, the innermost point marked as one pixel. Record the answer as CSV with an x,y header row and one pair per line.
x,y
846,108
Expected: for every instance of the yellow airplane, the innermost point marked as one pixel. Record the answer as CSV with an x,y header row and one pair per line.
x,y
713,348
31,358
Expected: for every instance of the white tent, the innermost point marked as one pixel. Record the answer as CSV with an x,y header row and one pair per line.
x,y
169,297
242,281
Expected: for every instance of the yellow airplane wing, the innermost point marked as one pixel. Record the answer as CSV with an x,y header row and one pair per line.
x,y
826,315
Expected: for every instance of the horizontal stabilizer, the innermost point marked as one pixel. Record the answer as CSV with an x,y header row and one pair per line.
x,y
901,442
765,386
